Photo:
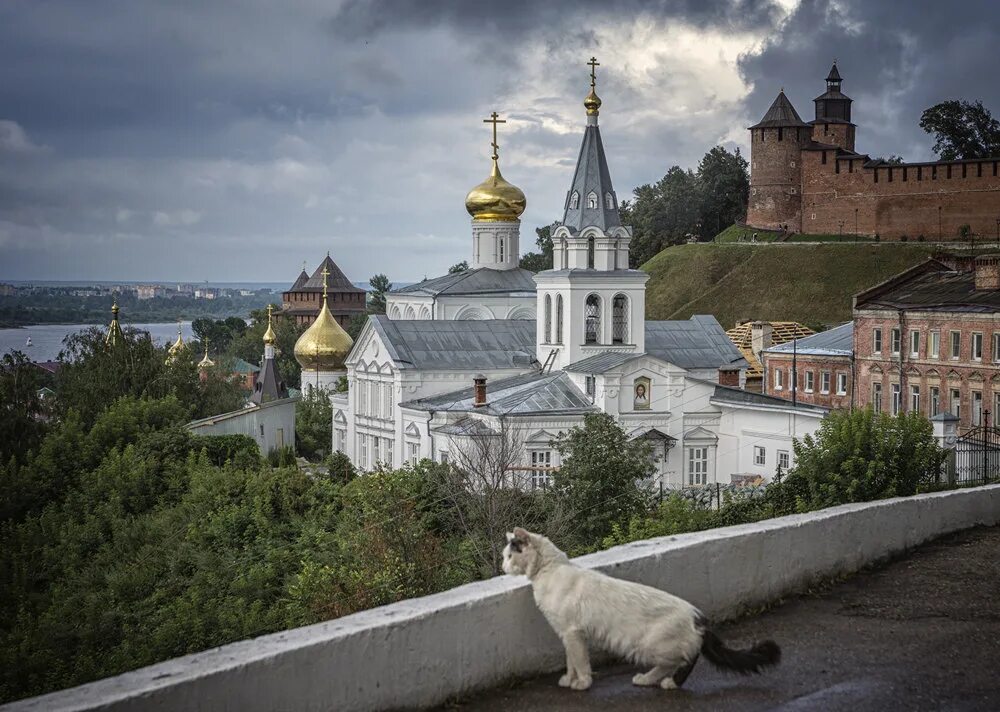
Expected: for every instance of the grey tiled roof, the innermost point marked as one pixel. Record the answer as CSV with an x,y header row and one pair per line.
x,y
932,286
474,281
698,342
591,174
527,394
782,114
458,345
838,341
741,397
336,280
466,426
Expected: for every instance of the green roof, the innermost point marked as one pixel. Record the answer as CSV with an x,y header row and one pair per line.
x,y
241,366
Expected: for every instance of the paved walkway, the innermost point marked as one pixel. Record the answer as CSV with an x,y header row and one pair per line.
x,y
922,633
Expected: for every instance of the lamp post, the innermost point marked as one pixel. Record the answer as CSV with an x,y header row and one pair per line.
x,y
841,231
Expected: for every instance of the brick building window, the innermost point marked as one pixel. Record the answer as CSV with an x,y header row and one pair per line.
x,y
895,337
779,377
955,402
996,347
810,381
876,341
935,394
877,397
895,398
956,345
824,386
915,399
841,384
934,349
977,346
915,344
977,407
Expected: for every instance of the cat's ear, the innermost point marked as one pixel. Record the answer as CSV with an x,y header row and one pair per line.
x,y
522,534
510,537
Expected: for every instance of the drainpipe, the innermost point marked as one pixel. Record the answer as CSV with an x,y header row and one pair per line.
x,y
903,347
795,371
854,380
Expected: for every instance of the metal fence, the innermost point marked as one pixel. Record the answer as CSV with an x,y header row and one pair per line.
x,y
975,460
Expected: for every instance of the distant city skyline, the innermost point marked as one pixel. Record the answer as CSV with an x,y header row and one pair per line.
x,y
212,141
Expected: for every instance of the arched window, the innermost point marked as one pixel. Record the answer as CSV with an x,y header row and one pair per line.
x,y
592,201
564,255
590,253
574,201
609,201
559,319
592,320
548,319
619,319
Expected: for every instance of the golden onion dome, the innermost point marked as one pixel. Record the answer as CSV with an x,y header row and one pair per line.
x,y
269,336
324,345
592,102
176,347
495,199
206,362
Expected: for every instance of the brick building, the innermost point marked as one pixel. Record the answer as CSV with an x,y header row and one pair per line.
x,y
304,299
807,177
817,369
929,340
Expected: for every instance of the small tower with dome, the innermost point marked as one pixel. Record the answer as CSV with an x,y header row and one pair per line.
x,y
178,347
321,350
114,337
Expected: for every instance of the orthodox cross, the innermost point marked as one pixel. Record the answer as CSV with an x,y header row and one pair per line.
x,y
494,120
270,308
326,273
594,64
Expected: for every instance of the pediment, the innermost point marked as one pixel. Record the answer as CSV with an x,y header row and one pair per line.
x,y
412,430
541,436
700,434
339,417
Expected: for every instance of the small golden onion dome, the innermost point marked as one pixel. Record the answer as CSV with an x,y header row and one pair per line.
x,y
495,199
592,102
324,345
269,335
206,362
175,348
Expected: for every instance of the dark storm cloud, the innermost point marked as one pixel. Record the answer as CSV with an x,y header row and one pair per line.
x,y
359,18
897,59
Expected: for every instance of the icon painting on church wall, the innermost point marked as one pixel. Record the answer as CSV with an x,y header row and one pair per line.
x,y
640,393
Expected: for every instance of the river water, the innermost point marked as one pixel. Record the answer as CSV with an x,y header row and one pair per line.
x,y
46,339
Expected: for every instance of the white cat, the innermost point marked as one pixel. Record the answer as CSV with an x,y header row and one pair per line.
x,y
640,623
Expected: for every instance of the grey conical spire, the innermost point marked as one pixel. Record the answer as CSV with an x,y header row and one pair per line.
x,y
591,200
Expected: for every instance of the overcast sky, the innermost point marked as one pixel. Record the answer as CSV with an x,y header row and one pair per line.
x,y
229,140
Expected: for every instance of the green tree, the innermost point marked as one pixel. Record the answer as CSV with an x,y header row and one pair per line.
x,y
663,214
22,411
541,260
356,324
601,480
250,345
857,456
219,333
462,266
313,425
892,160
724,180
380,285
962,130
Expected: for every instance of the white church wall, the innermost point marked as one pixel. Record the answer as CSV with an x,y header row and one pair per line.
x,y
271,425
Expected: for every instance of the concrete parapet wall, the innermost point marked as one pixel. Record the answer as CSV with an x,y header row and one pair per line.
x,y
421,652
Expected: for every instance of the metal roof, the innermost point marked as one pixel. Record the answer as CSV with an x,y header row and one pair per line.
x,y
474,281
336,280
698,342
781,113
838,341
458,345
933,286
603,362
737,396
466,426
527,394
591,175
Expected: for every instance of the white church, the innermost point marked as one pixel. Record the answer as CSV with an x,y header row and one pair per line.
x,y
499,349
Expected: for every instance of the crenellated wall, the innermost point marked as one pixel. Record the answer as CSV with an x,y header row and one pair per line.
x,y
929,199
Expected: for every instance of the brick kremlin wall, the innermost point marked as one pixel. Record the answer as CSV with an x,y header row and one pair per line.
x,y
929,199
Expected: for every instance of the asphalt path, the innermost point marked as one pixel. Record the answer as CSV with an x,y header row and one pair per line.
x,y
919,633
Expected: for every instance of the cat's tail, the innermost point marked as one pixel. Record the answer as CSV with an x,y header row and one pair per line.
x,y
745,662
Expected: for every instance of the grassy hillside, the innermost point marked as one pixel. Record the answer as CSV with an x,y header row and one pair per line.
x,y
809,283
734,233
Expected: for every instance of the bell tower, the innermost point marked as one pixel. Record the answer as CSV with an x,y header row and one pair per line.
x,y
832,124
590,301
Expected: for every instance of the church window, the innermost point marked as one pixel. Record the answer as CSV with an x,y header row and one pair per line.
x,y
501,250
592,201
592,319
548,319
591,382
413,453
697,465
387,414
574,201
559,319
619,319
564,254
590,253
609,202
615,249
